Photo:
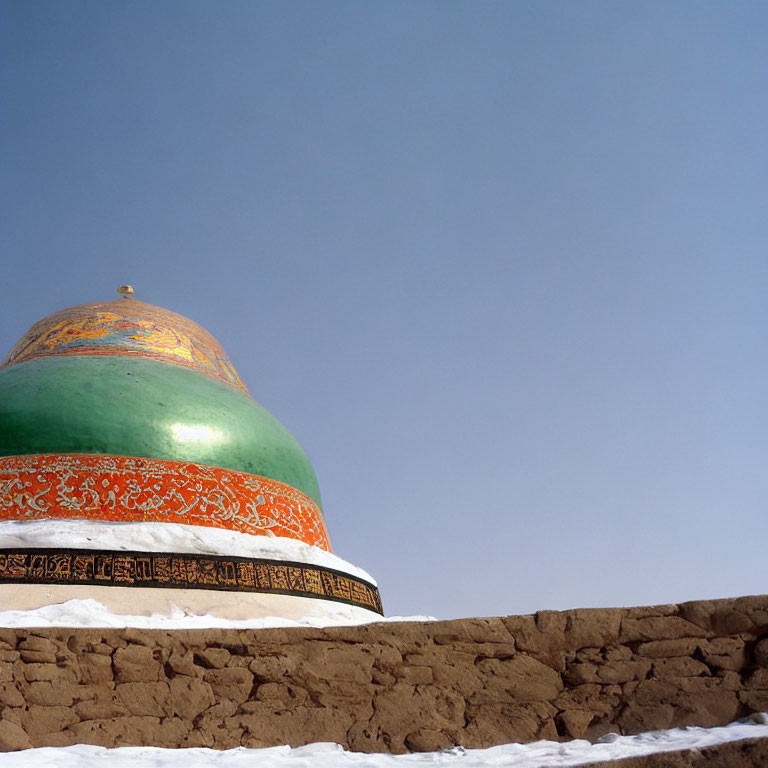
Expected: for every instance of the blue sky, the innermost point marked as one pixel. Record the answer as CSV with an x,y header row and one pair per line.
x,y
500,266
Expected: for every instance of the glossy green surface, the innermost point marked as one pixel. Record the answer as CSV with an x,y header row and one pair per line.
x,y
139,407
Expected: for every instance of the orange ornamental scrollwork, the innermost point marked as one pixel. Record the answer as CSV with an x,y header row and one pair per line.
x,y
128,490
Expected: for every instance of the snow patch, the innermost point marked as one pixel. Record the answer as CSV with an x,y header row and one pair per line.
x,y
166,537
91,613
540,754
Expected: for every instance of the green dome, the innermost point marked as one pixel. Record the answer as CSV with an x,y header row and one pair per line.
x,y
68,395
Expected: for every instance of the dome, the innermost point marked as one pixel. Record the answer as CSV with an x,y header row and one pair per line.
x,y
124,412
125,377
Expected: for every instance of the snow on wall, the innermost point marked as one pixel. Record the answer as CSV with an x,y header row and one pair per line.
x,y
726,742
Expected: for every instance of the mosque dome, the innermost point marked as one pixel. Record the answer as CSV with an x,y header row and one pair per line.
x,y
129,378
125,412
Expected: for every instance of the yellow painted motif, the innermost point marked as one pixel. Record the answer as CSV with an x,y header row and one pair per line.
x,y
127,327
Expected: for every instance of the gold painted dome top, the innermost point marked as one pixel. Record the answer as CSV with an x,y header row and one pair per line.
x,y
126,327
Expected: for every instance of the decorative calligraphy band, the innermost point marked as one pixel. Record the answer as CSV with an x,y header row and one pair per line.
x,y
183,571
127,489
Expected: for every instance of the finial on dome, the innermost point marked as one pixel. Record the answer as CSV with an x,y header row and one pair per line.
x,y
126,291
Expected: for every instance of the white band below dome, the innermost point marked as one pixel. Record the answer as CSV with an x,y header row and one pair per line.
x,y
40,605
167,537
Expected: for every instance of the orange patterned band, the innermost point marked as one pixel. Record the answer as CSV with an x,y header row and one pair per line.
x,y
128,490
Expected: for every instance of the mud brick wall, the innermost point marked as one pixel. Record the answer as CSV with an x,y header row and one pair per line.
x,y
389,687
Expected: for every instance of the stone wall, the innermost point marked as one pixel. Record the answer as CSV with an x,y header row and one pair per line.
x,y
389,687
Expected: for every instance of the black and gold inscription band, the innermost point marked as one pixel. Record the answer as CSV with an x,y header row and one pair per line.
x,y
184,571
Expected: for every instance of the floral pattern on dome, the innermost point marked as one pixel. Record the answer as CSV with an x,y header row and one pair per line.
x,y
127,327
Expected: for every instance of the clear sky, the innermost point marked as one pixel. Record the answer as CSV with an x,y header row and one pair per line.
x,y
501,267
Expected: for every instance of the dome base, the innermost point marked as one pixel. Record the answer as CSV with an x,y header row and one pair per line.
x,y
152,602
216,574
